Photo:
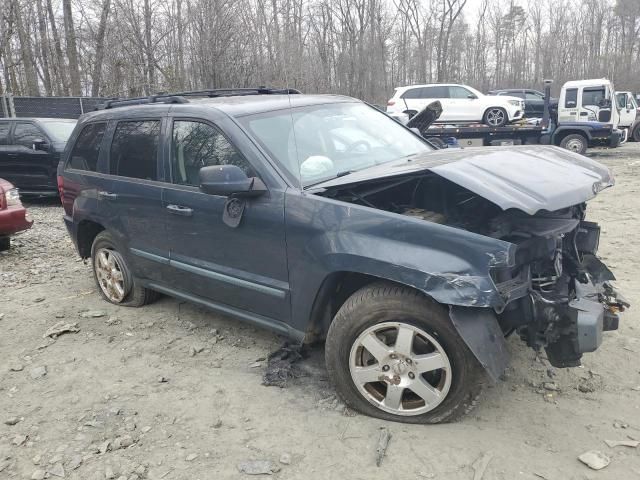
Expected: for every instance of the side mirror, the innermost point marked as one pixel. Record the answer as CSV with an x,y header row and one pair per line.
x,y
229,180
40,144
571,104
471,96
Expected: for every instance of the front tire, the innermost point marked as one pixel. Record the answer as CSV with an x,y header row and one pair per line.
x,y
394,354
495,117
575,142
636,133
113,276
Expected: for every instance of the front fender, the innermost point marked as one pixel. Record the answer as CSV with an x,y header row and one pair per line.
x,y
326,236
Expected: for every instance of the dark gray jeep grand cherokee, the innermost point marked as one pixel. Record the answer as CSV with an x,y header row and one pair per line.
x,y
321,218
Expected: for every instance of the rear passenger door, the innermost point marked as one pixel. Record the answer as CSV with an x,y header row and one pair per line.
x,y
130,202
242,267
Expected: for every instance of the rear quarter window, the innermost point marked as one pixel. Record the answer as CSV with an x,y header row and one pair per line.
x,y
86,150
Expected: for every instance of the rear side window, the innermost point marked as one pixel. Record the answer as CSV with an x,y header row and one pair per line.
x,y
4,133
571,98
86,150
533,96
134,149
439,91
196,145
26,134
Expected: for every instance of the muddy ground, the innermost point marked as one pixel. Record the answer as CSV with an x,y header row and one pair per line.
x,y
172,391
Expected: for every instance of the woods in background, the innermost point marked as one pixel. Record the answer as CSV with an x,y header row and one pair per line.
x,y
361,48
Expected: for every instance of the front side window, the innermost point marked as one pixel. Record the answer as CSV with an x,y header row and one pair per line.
x,y
134,149
533,96
459,92
593,96
26,134
196,145
58,131
4,133
86,150
320,142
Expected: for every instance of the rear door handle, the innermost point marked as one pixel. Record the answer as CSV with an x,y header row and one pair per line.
x,y
583,114
180,210
107,195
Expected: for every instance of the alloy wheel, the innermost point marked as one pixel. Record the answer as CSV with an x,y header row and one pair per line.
x,y
109,272
574,145
495,117
399,368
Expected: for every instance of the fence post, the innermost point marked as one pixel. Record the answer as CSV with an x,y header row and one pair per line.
x,y
81,106
4,105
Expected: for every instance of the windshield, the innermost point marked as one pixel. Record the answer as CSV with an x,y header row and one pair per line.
x,y
320,142
59,131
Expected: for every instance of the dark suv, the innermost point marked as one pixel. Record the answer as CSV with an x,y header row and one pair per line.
x,y
321,218
30,150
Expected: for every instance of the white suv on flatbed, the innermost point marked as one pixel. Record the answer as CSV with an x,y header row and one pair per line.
x,y
460,103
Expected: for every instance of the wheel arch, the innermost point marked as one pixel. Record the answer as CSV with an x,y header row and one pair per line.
x,y
87,231
561,133
334,291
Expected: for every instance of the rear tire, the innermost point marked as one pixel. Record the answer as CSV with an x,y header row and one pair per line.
x,y
113,276
636,133
495,117
398,383
575,142
5,243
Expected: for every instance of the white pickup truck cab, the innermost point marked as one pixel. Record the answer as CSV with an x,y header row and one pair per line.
x,y
596,100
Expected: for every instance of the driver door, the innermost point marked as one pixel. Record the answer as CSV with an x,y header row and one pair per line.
x,y
242,267
30,168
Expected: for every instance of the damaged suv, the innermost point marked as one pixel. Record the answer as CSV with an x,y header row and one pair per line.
x,y
322,218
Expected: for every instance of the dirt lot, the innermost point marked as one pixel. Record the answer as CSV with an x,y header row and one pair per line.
x,y
179,390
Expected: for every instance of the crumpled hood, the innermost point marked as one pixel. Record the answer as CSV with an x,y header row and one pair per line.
x,y
528,178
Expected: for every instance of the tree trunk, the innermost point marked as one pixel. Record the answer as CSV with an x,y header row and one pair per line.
x,y
96,76
72,49
26,54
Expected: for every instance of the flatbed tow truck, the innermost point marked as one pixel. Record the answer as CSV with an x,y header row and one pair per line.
x,y
575,136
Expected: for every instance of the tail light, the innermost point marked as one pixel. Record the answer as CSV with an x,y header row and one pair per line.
x,y
61,187
391,103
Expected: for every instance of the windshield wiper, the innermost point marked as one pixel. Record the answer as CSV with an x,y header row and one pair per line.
x,y
344,173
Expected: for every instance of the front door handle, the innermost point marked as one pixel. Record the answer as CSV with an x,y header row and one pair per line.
x,y
583,114
107,195
180,210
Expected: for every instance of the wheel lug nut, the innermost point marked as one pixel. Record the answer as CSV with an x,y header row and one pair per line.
x,y
385,368
408,360
393,356
411,375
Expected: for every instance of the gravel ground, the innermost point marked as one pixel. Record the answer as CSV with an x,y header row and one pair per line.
x,y
172,391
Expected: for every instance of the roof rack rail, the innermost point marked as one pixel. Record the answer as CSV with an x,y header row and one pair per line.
x,y
229,92
125,102
211,93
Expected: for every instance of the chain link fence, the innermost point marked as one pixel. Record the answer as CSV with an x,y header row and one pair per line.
x,y
47,107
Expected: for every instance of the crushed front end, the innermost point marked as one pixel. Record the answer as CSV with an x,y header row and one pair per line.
x,y
558,296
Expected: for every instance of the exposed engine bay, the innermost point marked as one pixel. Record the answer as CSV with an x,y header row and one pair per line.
x,y
558,295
